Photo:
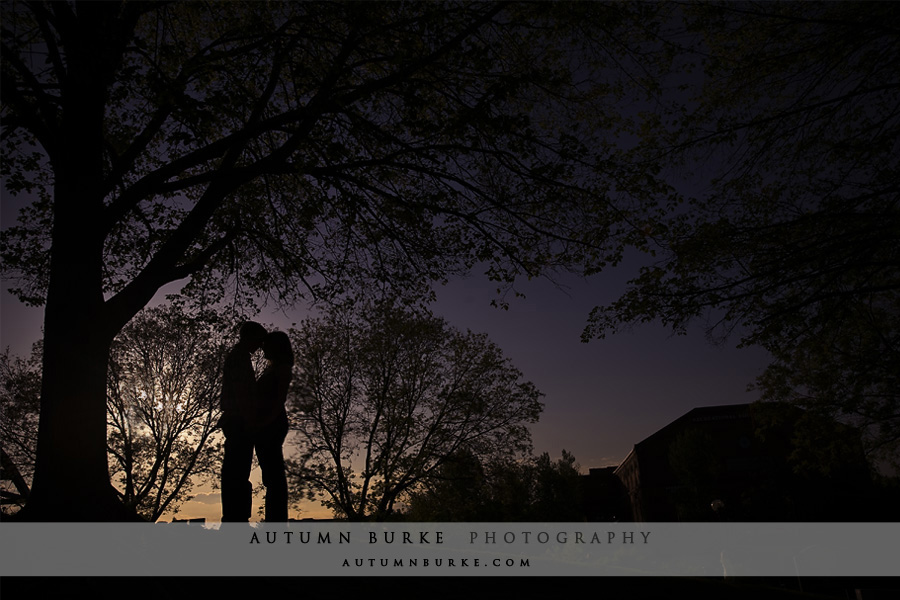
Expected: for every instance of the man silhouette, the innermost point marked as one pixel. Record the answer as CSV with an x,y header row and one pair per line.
x,y
239,404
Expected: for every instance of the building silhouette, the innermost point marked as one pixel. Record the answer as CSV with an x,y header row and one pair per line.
x,y
748,462
605,498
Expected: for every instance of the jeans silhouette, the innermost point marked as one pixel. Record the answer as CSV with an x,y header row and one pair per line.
x,y
237,492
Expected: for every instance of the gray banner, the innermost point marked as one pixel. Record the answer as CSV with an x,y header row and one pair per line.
x,y
448,549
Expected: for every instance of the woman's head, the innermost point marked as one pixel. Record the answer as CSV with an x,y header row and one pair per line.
x,y
277,348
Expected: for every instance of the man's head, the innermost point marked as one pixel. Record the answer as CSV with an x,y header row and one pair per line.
x,y
252,335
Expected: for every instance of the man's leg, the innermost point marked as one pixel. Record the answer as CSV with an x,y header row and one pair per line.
x,y
237,491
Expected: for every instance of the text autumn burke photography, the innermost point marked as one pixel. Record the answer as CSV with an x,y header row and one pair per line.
x,y
437,537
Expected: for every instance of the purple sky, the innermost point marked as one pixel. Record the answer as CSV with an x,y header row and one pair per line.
x,y
604,396
600,397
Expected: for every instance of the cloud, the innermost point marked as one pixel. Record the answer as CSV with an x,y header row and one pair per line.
x,y
211,498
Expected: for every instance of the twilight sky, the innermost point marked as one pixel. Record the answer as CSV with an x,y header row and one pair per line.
x,y
600,398
604,396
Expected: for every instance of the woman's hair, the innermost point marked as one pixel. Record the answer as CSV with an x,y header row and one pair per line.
x,y
277,348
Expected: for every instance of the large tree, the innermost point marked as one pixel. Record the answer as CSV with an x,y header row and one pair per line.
x,y
385,395
289,151
789,236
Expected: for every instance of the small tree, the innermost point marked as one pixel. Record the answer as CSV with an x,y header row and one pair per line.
x,y
457,491
387,394
20,383
163,406
532,489
558,493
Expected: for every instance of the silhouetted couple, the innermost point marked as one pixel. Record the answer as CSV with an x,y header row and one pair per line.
x,y
254,418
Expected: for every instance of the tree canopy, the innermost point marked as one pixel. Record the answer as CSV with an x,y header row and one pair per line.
x,y
163,407
20,382
788,230
532,489
291,151
384,396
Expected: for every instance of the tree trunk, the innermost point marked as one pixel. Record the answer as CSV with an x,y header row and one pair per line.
x,y
71,480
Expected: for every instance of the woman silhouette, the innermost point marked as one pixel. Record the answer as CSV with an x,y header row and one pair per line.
x,y
272,422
